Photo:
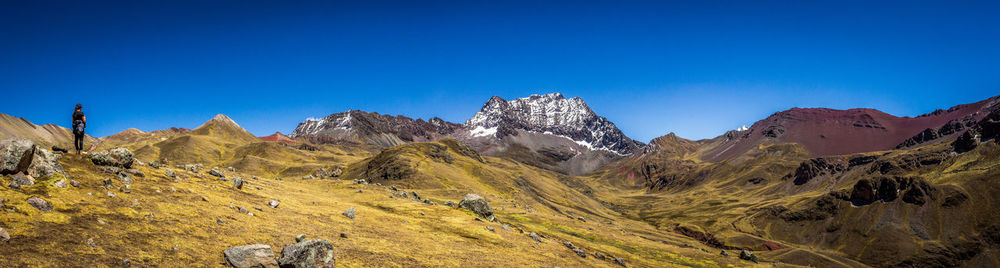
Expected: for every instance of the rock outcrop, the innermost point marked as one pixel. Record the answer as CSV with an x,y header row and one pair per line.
x,y
478,205
308,254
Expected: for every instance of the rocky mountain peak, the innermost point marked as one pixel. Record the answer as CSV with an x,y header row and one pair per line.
x,y
550,114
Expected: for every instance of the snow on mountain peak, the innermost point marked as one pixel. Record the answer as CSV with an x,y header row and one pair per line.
x,y
553,113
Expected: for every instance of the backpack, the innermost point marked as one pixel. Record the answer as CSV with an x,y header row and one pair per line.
x,y
78,127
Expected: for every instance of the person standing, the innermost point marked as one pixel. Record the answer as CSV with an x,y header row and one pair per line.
x,y
79,124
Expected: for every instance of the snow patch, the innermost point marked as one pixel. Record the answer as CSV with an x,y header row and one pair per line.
x,y
480,131
743,128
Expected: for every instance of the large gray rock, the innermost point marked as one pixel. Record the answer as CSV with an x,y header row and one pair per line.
x,y
20,179
256,256
23,156
40,204
238,183
349,213
15,155
117,157
308,254
479,205
215,172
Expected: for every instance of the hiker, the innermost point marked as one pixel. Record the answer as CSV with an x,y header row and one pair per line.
x,y
79,124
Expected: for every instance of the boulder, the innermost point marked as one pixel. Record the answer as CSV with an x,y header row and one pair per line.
x,y
216,172
273,203
117,157
20,179
40,204
479,205
248,256
15,155
309,253
238,183
169,173
23,156
349,213
747,255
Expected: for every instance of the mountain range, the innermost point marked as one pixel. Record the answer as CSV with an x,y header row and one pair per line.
x,y
804,186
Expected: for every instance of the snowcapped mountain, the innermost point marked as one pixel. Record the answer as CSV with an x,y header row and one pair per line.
x,y
550,114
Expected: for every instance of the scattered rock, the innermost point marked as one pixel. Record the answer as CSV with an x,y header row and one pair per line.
x,y
107,183
169,173
244,210
75,183
258,208
747,255
310,253
620,261
23,156
300,238
219,221
534,236
126,263
136,172
343,235
125,178
273,203
349,213
20,179
60,183
215,172
506,227
126,189
450,204
117,157
238,183
40,204
600,256
724,253
479,205
90,242
248,256
232,169
578,251
581,219
4,236
490,228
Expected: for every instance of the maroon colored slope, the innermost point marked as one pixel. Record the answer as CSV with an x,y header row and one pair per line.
x,y
834,132
278,137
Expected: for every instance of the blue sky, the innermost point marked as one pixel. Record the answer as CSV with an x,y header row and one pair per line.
x,y
697,68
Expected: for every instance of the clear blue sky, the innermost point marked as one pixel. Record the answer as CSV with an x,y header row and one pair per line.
x,y
696,68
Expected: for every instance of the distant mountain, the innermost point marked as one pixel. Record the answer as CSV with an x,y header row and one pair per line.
x,y
372,128
825,132
551,114
278,137
47,134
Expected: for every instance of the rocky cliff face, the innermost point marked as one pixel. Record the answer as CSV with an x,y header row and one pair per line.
x,y
374,128
551,114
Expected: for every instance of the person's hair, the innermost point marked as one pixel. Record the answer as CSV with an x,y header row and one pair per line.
x,y
78,106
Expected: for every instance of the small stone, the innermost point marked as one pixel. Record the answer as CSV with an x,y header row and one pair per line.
x,y
316,253
273,203
169,173
343,235
349,213
101,222
534,236
238,183
20,179
258,208
90,242
251,214
598,255
4,236
244,210
422,213
506,227
620,261
300,238
724,253
126,263
581,219
490,228
40,204
393,188
219,221
75,183
748,255
127,189
361,191
203,198
111,194
60,183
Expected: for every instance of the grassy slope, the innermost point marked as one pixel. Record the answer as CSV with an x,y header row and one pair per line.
x,y
147,224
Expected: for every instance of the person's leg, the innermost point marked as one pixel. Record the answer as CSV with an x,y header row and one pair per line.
x,y
78,143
